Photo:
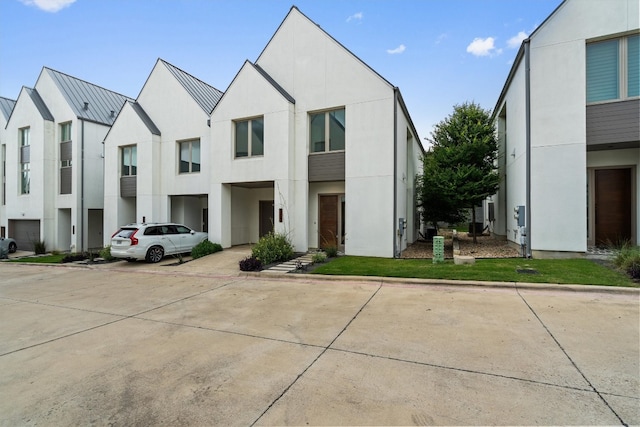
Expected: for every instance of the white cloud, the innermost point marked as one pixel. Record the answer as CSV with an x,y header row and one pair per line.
x,y
399,49
515,41
483,47
49,5
355,17
441,37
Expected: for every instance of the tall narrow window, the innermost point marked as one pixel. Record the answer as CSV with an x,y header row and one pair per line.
x,y
633,66
25,160
65,158
602,71
189,156
129,165
249,137
328,126
4,174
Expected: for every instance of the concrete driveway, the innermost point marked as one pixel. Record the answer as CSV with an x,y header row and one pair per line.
x,y
197,344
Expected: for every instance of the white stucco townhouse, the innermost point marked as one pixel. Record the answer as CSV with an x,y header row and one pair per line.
x,y
157,154
568,120
54,167
312,142
6,107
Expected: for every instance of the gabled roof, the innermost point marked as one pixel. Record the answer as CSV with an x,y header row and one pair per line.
x,y
99,102
39,103
273,83
145,118
6,107
205,95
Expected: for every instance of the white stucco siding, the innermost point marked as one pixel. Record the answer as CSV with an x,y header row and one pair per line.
x,y
179,118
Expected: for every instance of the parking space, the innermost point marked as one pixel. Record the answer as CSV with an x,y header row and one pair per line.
x,y
137,344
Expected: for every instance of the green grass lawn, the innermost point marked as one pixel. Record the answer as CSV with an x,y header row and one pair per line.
x,y
570,271
45,259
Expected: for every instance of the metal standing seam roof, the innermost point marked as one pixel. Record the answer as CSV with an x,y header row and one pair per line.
x,y
273,83
6,107
144,117
39,103
205,95
100,101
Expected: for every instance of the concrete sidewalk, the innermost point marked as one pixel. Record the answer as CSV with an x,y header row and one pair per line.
x,y
163,347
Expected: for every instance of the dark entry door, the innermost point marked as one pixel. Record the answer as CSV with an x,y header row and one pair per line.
x,y
613,205
328,207
266,217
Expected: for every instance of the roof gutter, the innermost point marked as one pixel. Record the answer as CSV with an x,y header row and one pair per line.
x,y
396,251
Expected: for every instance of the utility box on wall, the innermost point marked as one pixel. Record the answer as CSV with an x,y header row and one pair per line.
x,y
519,214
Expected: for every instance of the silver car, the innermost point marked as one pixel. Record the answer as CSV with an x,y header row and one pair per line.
x,y
9,244
152,241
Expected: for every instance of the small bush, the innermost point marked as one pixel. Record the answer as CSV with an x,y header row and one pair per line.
x,y
272,247
205,248
628,259
105,253
331,251
250,264
40,247
319,258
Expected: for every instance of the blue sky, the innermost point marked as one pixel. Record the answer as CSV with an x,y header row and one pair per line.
x,y
438,52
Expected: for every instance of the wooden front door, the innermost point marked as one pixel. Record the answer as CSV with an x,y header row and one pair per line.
x,y
612,206
266,217
328,213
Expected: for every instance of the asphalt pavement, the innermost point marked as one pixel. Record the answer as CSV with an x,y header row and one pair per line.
x,y
200,344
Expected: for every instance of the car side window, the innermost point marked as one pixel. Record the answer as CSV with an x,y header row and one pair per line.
x,y
183,230
171,229
151,231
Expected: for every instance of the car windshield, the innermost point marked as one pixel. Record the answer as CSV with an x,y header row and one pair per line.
x,y
125,233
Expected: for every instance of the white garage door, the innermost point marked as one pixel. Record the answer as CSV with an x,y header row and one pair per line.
x,y
25,232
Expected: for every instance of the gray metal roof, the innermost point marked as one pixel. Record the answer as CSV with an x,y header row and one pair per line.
x,y
6,107
274,83
88,101
39,103
145,118
205,95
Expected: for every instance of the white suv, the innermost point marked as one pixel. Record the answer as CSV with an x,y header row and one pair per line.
x,y
152,241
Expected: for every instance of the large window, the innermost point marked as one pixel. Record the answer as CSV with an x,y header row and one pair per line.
x,y
129,165
25,160
328,126
613,69
189,156
249,137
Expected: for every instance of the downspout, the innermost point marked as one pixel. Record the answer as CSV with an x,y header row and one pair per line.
x,y
527,68
396,252
81,228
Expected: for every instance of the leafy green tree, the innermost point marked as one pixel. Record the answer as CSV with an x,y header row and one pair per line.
x,y
459,172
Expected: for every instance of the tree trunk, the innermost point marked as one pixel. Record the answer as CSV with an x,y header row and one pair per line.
x,y
473,225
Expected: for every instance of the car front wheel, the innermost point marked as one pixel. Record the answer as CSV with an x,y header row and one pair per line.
x,y
12,248
155,254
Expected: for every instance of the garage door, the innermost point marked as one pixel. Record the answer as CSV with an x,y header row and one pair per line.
x,y
25,232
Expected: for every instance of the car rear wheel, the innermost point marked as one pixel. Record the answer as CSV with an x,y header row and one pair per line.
x,y
155,254
12,247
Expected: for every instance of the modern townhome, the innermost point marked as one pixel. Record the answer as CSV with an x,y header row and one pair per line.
x,y
310,141
53,162
158,153
6,107
568,120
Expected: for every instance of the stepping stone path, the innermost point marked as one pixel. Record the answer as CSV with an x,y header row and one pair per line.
x,y
286,267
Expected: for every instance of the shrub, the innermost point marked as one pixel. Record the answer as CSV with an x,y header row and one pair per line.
x,y
105,253
272,247
319,258
40,247
250,264
331,251
205,248
74,257
628,259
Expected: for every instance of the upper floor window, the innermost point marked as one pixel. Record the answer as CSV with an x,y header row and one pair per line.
x,y
129,164
65,132
613,69
249,137
25,160
328,126
189,156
